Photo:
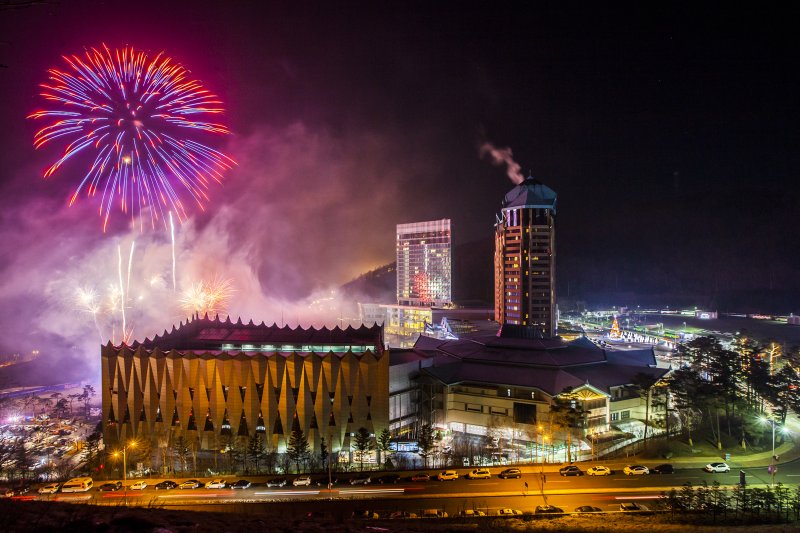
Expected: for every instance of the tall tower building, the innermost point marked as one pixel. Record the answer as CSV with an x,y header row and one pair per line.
x,y
423,263
525,259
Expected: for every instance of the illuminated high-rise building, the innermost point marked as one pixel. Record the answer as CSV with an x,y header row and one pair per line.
x,y
525,259
423,263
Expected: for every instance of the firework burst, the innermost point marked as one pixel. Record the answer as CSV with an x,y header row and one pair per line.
x,y
132,113
207,297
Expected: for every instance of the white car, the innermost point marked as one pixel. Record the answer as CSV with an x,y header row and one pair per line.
x,y
717,467
302,481
635,470
509,512
216,484
52,488
479,473
139,485
598,471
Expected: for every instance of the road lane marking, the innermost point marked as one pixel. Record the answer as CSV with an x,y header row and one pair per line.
x,y
371,491
288,493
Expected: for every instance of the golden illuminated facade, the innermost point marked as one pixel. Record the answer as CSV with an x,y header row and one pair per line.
x,y
211,381
525,259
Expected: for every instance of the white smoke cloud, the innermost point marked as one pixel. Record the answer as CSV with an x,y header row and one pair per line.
x,y
304,212
503,156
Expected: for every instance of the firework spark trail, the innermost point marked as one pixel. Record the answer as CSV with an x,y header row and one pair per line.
x,y
207,297
87,301
130,263
131,113
122,291
172,235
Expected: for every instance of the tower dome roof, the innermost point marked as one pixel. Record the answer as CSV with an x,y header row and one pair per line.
x,y
531,193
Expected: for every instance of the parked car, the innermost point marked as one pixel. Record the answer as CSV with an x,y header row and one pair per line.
x,y
471,512
50,488
402,514
422,476
166,485
447,475
277,482
302,481
570,470
548,509
216,484
189,484
717,467
479,473
434,513
110,487
509,473
139,485
388,479
635,470
663,469
632,507
509,512
588,509
244,484
364,514
361,480
598,470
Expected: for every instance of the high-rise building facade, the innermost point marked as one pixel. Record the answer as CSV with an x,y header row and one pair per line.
x,y
424,263
525,259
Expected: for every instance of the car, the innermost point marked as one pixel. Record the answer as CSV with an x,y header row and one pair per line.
x,y
363,514
189,484
6,493
361,480
244,484
51,488
19,490
216,484
447,475
139,485
471,512
663,469
717,467
635,470
479,473
630,507
434,513
110,487
570,470
302,481
402,514
509,473
166,485
598,470
588,509
277,482
548,509
387,479
509,512
422,476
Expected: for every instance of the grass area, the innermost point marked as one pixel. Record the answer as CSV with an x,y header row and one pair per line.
x,y
703,445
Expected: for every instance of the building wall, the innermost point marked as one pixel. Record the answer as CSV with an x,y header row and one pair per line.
x,y
159,395
525,264
424,263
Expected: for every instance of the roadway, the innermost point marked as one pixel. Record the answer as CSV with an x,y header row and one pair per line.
x,y
488,495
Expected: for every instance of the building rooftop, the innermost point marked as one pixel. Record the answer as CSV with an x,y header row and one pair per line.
x,y
531,193
549,365
208,334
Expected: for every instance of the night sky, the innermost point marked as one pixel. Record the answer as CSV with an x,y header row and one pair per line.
x,y
669,133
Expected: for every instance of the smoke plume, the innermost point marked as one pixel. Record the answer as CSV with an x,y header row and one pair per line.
x,y
503,156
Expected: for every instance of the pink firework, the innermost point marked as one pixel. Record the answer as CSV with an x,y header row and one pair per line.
x,y
136,118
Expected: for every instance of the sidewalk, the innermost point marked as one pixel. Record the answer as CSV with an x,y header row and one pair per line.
x,y
786,452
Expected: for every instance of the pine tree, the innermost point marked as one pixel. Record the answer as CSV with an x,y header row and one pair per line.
x,y
425,442
363,444
298,448
384,443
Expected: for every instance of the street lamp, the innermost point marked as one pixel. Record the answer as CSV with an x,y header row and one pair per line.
x,y
772,467
131,444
